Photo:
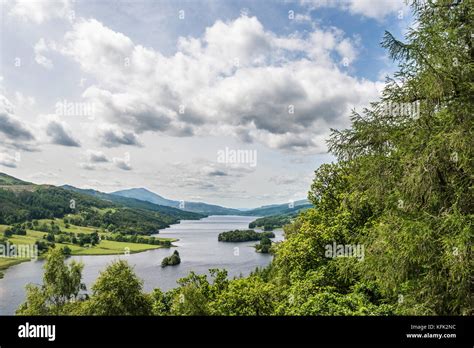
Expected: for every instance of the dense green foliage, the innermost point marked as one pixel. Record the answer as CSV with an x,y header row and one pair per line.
x,y
18,229
243,236
402,189
117,291
272,222
172,260
61,285
138,204
278,209
48,202
136,239
264,245
6,179
44,202
123,220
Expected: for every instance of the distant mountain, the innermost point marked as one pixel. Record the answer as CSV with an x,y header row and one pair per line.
x,y
211,209
21,201
196,207
145,195
138,204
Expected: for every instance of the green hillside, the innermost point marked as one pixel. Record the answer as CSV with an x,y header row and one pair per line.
x,y
196,207
6,179
137,203
271,222
48,202
278,209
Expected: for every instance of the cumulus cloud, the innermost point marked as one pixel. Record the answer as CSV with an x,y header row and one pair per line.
x,y
39,49
39,11
211,170
238,79
8,160
373,9
92,159
96,156
14,132
114,136
87,166
285,180
58,132
122,163
217,173
9,125
203,174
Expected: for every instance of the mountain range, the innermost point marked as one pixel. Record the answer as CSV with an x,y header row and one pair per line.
x,y
134,198
210,209
22,201
197,207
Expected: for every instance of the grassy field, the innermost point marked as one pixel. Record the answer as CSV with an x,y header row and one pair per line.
x,y
71,228
104,247
79,229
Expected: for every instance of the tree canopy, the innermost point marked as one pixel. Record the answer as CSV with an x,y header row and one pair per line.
x,y
400,192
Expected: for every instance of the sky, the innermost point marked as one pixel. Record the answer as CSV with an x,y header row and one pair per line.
x,y
226,102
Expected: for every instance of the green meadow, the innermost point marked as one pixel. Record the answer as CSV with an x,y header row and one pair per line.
x,y
104,247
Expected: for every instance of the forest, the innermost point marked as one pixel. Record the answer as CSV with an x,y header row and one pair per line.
x,y
243,236
125,216
269,223
401,187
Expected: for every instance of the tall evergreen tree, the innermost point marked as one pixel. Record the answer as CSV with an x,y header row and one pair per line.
x,y
415,169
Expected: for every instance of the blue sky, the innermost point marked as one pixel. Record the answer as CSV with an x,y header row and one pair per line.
x,y
153,90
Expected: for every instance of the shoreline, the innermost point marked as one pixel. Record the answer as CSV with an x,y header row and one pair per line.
x,y
148,264
14,262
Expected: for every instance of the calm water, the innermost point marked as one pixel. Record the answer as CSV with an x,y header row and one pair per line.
x,y
197,246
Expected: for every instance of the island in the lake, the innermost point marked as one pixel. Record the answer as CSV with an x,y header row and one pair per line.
x,y
243,236
172,260
264,246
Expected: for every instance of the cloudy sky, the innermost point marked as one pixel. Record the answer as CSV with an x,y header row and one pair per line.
x,y
113,95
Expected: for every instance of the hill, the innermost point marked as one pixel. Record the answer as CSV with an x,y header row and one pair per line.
x,y
137,203
277,209
7,180
210,209
197,207
85,209
269,223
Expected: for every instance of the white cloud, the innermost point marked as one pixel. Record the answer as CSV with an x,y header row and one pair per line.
x,y
8,160
237,79
39,11
122,163
96,157
378,9
87,166
113,136
39,49
15,133
57,131
301,18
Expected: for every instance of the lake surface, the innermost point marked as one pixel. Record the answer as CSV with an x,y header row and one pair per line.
x,y
197,246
